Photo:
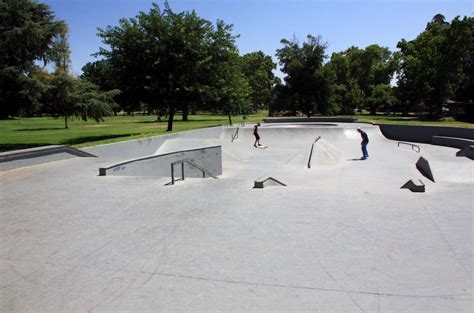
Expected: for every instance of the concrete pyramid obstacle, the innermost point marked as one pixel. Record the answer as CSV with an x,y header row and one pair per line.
x,y
424,167
410,185
467,151
269,181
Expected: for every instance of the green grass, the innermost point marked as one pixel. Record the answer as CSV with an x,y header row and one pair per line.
x,y
413,120
20,133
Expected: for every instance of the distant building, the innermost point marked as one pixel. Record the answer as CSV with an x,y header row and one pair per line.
x,y
459,109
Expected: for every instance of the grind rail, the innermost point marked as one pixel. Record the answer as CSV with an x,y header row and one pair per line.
x,y
204,172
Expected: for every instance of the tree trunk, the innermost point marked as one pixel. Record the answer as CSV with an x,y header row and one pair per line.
x,y
170,119
65,122
230,118
185,112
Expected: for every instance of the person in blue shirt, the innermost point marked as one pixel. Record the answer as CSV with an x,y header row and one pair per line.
x,y
364,143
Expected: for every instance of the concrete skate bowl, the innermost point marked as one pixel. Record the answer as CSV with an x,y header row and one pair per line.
x,y
291,144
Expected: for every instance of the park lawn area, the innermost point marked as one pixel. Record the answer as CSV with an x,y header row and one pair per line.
x,y
411,120
21,133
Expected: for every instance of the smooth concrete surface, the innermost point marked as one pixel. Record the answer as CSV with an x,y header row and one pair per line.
x,y
32,156
148,146
309,120
340,237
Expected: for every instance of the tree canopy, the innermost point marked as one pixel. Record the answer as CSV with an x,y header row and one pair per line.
x,y
306,80
29,32
436,64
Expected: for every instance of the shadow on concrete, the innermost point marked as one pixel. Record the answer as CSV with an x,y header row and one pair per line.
x,y
18,146
39,129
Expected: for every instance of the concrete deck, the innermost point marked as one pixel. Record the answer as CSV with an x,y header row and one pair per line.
x,y
340,237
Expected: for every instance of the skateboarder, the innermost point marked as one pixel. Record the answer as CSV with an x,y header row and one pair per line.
x,y
364,143
257,137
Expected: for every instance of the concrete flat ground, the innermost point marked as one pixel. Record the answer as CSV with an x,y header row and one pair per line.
x,y
340,237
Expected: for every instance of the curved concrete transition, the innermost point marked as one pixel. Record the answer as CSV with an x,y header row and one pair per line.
x,y
32,156
342,236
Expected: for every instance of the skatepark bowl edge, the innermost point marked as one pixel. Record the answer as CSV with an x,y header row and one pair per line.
x,y
302,225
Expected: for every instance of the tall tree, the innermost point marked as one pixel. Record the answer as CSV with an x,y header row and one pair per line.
x,y
173,58
432,64
305,75
258,69
28,32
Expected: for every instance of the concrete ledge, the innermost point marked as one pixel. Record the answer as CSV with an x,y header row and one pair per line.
x,y
26,157
424,167
209,158
308,120
410,185
451,141
467,151
269,181
424,134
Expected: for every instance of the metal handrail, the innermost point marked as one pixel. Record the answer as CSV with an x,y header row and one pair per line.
x,y
413,146
204,172
236,135
311,153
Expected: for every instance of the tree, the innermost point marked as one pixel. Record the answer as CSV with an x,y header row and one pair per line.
x,y
170,60
305,76
381,97
258,70
28,32
432,64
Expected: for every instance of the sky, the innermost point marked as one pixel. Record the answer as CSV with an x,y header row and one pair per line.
x,y
261,24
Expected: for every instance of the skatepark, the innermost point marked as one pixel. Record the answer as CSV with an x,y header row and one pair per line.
x,y
302,225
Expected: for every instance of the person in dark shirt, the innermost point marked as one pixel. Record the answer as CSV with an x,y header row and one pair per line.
x,y
364,143
257,137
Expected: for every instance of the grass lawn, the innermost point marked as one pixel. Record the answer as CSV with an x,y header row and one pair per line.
x,y
20,133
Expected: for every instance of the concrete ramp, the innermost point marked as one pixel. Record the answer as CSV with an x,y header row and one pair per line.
x,y
467,151
410,185
178,144
425,169
325,154
33,156
266,182
209,158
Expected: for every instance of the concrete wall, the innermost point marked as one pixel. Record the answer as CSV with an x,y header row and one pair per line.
x,y
311,119
148,146
33,156
208,158
423,134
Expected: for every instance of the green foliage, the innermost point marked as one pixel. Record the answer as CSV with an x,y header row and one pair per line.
x,y
357,73
435,64
258,70
306,80
28,32
171,60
